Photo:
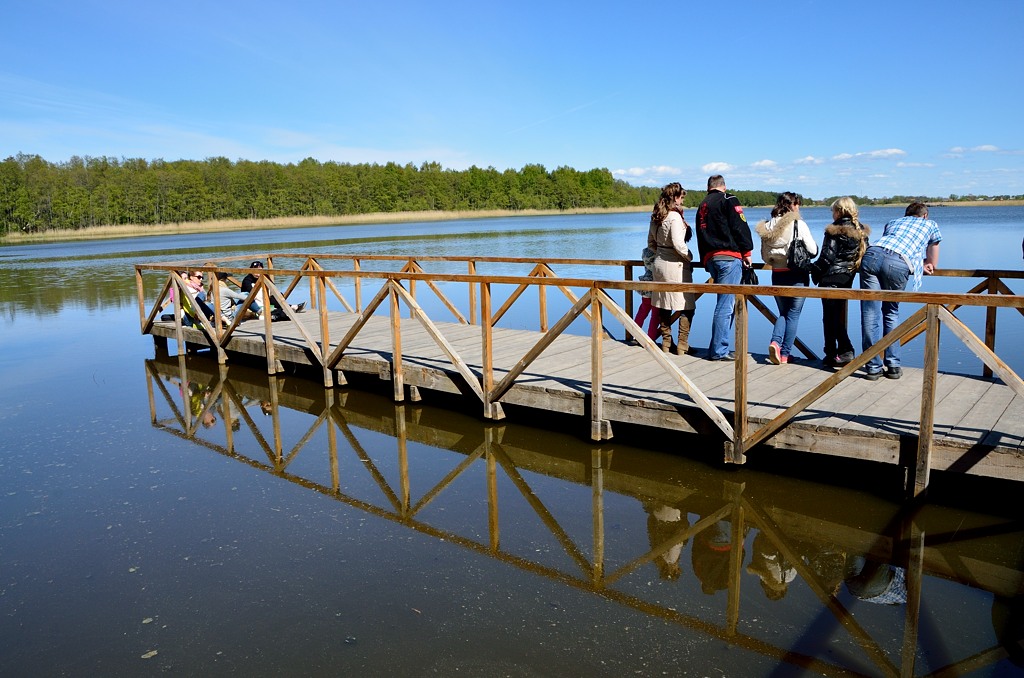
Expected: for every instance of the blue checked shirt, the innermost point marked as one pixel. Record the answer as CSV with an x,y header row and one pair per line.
x,y
910,237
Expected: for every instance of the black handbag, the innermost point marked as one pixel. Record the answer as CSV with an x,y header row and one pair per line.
x,y
749,276
799,259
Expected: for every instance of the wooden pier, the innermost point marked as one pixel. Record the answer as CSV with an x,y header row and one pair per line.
x,y
929,419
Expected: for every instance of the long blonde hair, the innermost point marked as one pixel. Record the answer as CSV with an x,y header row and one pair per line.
x,y
846,208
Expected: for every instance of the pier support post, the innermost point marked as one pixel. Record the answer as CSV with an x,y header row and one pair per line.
x,y
160,346
921,470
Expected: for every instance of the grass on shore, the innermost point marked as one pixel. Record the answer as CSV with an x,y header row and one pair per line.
x,y
222,225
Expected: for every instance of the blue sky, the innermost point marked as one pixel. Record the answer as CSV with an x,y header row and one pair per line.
x,y
822,97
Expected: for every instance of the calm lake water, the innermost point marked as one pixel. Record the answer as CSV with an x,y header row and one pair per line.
x,y
159,516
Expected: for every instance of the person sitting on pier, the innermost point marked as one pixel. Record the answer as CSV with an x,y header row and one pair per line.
x,y
846,240
189,318
229,298
909,245
668,235
250,280
777,234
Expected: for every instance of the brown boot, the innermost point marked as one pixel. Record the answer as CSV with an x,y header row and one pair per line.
x,y
665,328
683,343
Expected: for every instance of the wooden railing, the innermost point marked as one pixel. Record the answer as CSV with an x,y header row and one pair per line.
x,y
595,299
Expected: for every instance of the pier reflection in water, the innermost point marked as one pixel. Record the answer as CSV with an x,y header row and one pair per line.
x,y
826,579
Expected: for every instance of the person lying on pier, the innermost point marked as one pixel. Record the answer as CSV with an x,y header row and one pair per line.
x,y
250,280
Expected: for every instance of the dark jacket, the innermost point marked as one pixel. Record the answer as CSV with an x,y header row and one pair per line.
x,y
841,253
722,228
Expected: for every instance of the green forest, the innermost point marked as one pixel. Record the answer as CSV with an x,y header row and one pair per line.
x,y
38,196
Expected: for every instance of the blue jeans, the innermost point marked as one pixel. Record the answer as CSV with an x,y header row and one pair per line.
x,y
881,270
727,271
784,332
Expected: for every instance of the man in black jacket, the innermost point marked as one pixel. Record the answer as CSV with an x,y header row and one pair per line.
x,y
725,244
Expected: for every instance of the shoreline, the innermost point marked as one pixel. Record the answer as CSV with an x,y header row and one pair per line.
x,y
228,225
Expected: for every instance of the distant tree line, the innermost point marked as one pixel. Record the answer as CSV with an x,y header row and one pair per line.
x,y
36,195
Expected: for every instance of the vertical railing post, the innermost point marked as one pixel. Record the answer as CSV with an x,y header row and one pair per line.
x,y
628,307
325,332
273,365
990,325
926,431
600,428
179,331
397,378
311,265
739,424
472,294
486,351
542,306
218,318
358,286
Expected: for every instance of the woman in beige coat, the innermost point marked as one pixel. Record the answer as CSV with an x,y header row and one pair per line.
x,y
668,235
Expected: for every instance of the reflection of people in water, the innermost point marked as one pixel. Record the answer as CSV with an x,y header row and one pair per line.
x,y
879,583
828,562
663,522
710,555
769,564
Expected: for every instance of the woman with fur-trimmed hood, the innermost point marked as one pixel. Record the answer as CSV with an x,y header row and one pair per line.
x,y
846,240
776,235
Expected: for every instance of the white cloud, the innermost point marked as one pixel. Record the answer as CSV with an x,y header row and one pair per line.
x,y
716,167
986,148
648,172
871,155
886,153
808,160
765,164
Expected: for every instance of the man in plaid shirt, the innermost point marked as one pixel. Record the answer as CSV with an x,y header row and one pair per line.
x,y
909,245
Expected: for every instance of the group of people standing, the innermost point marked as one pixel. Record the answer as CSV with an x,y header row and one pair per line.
x,y
909,246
